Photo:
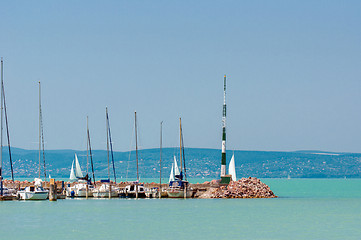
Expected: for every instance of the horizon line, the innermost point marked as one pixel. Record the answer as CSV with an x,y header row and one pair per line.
x,y
229,150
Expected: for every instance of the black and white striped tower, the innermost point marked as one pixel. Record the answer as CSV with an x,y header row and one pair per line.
x,y
224,164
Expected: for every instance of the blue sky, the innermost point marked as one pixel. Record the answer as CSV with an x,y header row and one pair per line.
x,y
293,67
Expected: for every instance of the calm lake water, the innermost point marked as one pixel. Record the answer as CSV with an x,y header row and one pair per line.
x,y
305,209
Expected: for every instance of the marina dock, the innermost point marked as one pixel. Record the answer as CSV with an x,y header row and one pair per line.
x,y
243,188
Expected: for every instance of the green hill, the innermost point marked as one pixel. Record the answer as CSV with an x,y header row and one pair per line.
x,y
199,162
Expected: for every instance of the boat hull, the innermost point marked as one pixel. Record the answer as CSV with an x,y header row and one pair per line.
x,y
33,195
179,193
8,198
82,193
79,190
105,194
133,195
78,193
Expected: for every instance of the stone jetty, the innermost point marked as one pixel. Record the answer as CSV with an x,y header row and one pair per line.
x,y
243,188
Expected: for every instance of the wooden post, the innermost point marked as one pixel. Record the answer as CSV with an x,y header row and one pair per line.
x,y
86,190
52,190
110,190
56,191
136,190
185,190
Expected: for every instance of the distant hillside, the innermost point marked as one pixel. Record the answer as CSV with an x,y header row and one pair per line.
x,y
200,163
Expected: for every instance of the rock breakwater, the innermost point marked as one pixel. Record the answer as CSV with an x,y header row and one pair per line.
x,y
243,188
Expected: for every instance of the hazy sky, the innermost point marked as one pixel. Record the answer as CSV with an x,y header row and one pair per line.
x,y
293,67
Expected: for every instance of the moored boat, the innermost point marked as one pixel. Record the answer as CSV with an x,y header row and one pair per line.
x,y
9,194
134,190
34,192
80,190
179,188
130,191
152,192
103,191
106,189
83,187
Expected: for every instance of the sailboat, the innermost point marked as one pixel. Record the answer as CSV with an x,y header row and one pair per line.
x,y
77,174
84,187
106,189
5,193
36,191
171,175
232,169
179,188
80,188
174,171
134,190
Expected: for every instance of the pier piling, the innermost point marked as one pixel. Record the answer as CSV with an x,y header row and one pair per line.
x,y
52,190
185,191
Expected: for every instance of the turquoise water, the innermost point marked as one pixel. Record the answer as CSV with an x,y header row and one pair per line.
x,y
305,209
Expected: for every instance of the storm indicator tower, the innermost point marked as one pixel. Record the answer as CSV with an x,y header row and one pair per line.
x,y
224,178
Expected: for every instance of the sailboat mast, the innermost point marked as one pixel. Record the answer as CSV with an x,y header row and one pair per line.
x,y
7,128
90,152
224,163
39,129
111,149
107,126
160,160
41,136
136,143
1,148
136,154
180,146
184,157
87,148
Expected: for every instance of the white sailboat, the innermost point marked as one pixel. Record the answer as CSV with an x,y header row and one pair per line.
x,y
174,170
171,176
232,169
179,188
74,175
37,192
78,189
